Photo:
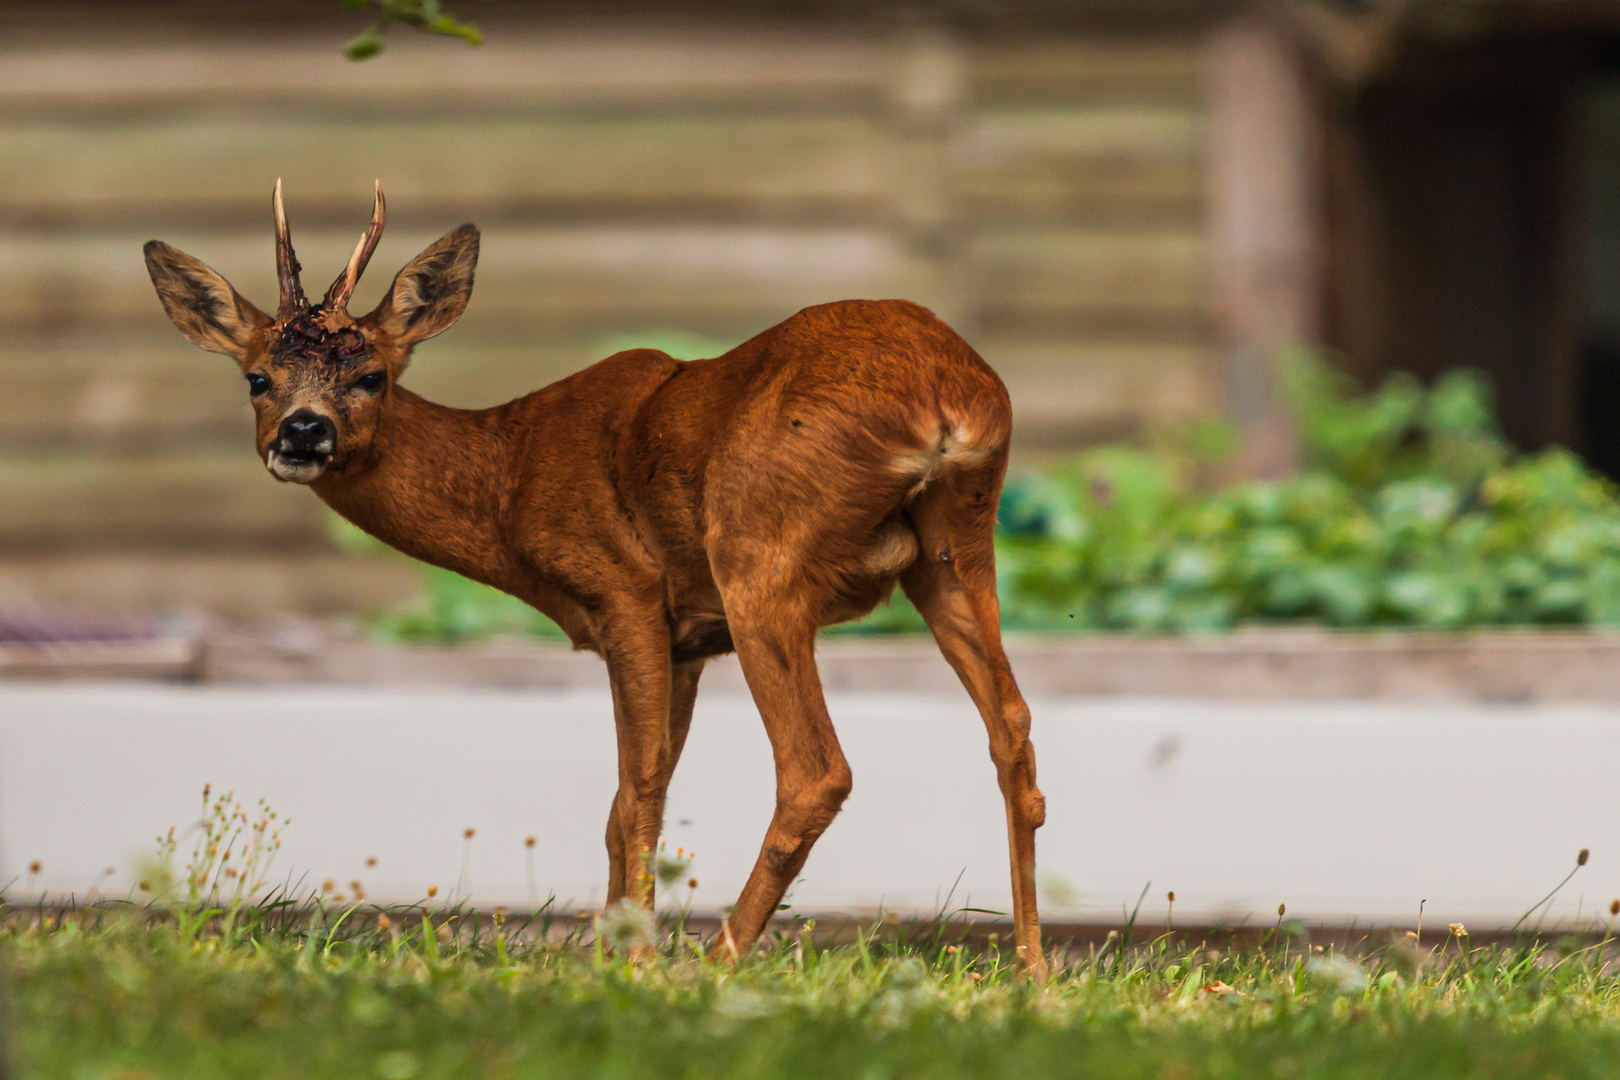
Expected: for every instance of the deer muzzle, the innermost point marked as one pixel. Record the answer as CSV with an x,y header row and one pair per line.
x,y
302,447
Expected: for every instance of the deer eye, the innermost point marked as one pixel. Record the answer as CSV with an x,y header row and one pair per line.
x,y
257,384
372,383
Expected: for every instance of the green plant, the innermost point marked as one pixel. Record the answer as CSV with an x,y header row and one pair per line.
x,y
230,858
427,16
1410,511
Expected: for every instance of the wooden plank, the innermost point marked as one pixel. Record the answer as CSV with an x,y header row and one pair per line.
x,y
192,497
1289,664
235,584
669,275
525,65
1134,163
1134,279
161,658
208,159
153,387
1069,394
581,65
539,276
1088,69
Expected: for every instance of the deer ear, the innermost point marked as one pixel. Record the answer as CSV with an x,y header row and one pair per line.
x,y
201,303
432,291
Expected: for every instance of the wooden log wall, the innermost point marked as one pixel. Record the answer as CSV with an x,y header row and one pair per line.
x,y
1044,193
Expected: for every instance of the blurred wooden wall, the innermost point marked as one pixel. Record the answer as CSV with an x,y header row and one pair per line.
x,y
1041,191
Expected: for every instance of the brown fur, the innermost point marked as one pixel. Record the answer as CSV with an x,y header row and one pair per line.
x,y
663,512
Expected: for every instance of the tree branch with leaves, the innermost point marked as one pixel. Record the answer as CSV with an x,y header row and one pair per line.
x,y
428,16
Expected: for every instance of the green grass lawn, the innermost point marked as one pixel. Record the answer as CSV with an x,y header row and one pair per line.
x,y
285,994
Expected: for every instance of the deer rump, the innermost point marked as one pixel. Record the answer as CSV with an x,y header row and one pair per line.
x,y
812,444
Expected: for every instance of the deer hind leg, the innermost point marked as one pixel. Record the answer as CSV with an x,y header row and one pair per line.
x,y
624,871
953,585
774,631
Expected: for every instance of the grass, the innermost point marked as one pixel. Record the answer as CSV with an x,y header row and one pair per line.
x,y
119,993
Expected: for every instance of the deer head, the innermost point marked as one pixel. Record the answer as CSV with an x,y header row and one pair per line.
x,y
319,379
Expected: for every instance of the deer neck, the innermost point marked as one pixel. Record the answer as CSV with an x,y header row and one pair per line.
x,y
431,486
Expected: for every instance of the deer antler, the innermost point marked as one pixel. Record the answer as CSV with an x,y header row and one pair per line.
x,y
337,297
293,302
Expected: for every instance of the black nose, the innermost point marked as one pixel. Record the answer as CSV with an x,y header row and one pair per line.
x,y
307,431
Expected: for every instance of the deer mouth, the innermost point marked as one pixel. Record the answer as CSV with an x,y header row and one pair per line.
x,y
297,465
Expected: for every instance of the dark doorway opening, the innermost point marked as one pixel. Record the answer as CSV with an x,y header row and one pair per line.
x,y
1454,224
1600,236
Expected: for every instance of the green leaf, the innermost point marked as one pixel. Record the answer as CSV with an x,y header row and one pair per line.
x,y
1428,599
363,46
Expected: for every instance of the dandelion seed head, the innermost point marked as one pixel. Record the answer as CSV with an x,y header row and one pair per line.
x,y
626,925
1337,974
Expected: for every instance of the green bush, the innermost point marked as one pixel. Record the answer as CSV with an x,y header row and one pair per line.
x,y
1409,510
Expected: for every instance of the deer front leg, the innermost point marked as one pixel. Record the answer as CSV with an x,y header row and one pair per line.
x,y
683,686
776,647
640,674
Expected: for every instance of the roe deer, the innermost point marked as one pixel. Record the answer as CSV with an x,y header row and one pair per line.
x,y
665,512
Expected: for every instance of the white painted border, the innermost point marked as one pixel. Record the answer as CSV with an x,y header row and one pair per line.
x,y
1342,810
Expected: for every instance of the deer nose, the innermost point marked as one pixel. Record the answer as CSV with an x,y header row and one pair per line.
x,y
305,430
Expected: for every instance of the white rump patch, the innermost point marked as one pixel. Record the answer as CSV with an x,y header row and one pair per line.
x,y
955,446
